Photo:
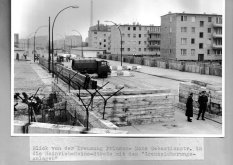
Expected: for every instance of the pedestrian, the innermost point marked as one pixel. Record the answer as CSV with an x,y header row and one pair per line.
x,y
202,100
17,56
189,107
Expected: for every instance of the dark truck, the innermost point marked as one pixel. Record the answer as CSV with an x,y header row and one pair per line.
x,y
91,66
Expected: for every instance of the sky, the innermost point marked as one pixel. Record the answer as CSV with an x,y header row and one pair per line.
x,y
28,15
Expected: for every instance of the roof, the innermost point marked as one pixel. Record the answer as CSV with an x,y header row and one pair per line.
x,y
88,49
199,14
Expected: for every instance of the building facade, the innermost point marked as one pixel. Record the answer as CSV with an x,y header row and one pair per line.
x,y
136,40
99,37
196,37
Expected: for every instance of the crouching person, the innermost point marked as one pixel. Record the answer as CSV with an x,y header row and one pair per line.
x,y
189,107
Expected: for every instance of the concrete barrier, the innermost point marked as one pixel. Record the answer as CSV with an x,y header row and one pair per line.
x,y
47,128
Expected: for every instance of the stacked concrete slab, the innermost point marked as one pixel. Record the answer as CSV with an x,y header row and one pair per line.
x,y
214,92
134,107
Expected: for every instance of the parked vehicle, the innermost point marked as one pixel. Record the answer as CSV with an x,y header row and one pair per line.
x,y
91,66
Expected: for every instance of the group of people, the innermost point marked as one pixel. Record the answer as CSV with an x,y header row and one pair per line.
x,y
202,101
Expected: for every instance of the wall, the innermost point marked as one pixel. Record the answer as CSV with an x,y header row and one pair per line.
x,y
127,108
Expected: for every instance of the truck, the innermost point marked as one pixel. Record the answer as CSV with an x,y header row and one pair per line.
x,y
91,66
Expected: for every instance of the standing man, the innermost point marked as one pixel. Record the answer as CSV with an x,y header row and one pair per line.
x,y
189,107
202,100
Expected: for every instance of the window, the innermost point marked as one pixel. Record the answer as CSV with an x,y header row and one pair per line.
x,y
208,51
183,18
193,19
219,20
145,42
134,28
134,35
192,52
209,19
201,34
170,19
139,42
139,49
184,52
201,23
129,35
144,49
140,28
104,45
209,30
100,43
183,29
104,35
128,28
139,35
193,29
145,35
200,45
95,32
192,40
104,40
183,41
128,49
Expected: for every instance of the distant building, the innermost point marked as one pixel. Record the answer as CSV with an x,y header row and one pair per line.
x,y
99,37
187,36
136,40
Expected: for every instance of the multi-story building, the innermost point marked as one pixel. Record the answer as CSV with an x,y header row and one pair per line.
x,y
186,36
99,37
136,39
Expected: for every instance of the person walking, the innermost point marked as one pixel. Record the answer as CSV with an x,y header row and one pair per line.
x,y
189,107
202,100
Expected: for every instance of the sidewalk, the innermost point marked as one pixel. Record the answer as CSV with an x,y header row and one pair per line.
x,y
173,74
29,76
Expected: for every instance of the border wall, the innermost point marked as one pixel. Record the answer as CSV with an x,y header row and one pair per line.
x,y
130,107
207,68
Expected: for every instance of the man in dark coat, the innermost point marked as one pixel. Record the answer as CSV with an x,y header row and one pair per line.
x,y
189,107
202,100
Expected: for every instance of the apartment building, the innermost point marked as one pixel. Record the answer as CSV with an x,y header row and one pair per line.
x,y
136,39
187,36
99,37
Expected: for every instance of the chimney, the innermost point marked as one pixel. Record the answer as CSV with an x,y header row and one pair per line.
x,y
98,27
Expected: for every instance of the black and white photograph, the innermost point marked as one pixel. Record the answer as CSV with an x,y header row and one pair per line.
x,y
118,68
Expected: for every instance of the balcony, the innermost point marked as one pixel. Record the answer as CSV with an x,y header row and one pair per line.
x,y
217,25
153,32
217,46
153,39
216,35
153,46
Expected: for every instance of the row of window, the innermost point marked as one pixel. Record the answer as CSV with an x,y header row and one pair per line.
x,y
185,29
183,52
134,28
193,19
134,35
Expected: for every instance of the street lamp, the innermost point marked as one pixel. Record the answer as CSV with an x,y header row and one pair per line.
x,y
118,27
52,32
81,40
34,51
